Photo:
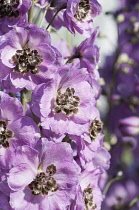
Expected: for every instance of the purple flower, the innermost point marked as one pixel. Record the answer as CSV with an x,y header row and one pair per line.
x,y
13,13
15,129
79,14
27,57
88,54
89,195
67,101
43,181
120,195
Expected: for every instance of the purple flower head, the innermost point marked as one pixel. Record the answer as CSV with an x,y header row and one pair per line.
x,y
45,181
15,129
67,101
27,57
79,14
12,12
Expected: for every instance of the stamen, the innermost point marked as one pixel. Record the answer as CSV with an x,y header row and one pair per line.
x,y
9,8
83,10
5,134
88,198
51,170
43,183
66,102
27,61
95,128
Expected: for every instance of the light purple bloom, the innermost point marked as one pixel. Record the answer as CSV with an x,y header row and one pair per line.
x,y
15,129
27,57
67,101
89,195
43,181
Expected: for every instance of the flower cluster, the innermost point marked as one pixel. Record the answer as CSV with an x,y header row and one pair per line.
x,y
51,141
121,89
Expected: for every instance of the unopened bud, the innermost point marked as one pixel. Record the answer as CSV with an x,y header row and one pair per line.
x,y
129,126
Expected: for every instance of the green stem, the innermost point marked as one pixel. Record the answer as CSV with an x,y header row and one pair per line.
x,y
110,183
30,13
70,59
133,201
53,18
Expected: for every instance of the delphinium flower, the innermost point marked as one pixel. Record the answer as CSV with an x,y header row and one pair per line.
x,y
44,180
30,58
75,15
64,102
15,129
89,195
79,14
13,12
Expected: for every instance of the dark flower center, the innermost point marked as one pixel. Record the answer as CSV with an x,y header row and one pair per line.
x,y
5,134
66,102
9,8
27,61
44,182
88,198
95,128
83,10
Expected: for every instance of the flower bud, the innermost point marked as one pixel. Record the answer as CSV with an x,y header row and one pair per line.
x,y
129,126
